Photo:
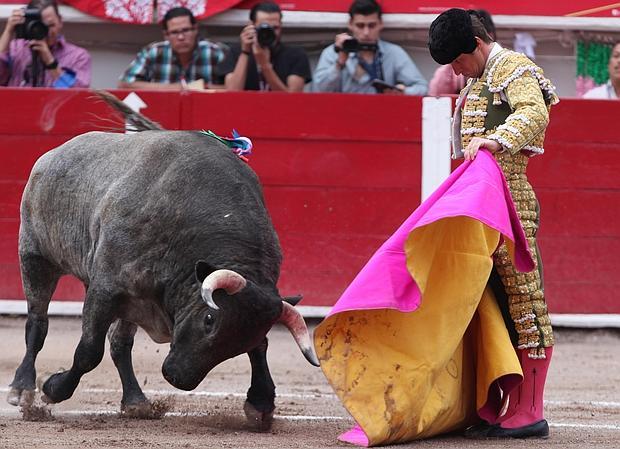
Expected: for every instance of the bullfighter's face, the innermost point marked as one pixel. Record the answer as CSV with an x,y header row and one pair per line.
x,y
471,65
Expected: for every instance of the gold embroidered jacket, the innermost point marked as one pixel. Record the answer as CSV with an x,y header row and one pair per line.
x,y
509,104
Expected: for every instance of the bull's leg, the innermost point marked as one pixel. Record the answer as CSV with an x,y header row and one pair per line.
x,y
98,314
121,336
259,405
39,278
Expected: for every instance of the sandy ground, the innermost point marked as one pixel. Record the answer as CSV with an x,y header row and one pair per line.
x,y
583,399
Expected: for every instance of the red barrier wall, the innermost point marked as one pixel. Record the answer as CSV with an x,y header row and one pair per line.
x,y
340,173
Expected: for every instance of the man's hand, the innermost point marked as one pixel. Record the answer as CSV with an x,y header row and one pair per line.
x,y
40,46
262,55
338,41
16,18
478,142
400,90
247,36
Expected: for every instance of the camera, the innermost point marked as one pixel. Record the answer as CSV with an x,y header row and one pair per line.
x,y
33,28
265,35
353,46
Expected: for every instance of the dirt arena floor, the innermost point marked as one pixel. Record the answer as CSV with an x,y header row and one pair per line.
x,y
583,399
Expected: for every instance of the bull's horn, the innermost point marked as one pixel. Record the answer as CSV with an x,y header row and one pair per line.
x,y
229,280
295,323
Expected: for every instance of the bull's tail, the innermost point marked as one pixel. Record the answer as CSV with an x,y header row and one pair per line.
x,y
135,119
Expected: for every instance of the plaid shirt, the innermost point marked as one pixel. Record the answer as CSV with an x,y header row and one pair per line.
x,y
157,63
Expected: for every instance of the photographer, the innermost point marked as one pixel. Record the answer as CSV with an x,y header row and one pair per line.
x,y
363,63
33,53
262,61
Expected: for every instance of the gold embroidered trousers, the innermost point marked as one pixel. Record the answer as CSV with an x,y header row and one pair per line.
x,y
526,299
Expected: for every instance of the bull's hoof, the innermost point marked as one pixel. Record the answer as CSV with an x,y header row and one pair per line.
x,y
21,397
260,420
47,384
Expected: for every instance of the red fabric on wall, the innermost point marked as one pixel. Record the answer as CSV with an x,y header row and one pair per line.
x,y
592,8
144,12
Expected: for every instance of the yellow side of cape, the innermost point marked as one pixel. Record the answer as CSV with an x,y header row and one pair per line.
x,y
406,376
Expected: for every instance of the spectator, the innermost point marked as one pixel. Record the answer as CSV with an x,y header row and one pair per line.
x,y
180,62
47,62
611,89
445,81
355,60
264,62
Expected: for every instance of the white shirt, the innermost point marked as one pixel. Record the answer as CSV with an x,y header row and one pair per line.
x,y
457,148
604,92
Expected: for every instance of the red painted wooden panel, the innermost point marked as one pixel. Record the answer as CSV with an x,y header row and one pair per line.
x,y
10,197
340,173
584,121
337,164
68,288
335,212
576,165
580,213
301,117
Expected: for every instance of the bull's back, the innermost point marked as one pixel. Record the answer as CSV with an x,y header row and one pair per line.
x,y
117,181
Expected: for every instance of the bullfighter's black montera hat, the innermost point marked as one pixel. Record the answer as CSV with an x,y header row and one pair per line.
x,y
450,35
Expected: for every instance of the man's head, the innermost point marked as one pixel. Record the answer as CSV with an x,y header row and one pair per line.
x,y
181,30
50,17
459,38
267,13
365,23
614,65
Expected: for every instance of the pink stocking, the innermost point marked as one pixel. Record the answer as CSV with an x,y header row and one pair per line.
x,y
525,405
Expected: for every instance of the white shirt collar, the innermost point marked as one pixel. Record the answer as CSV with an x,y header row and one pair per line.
x,y
495,49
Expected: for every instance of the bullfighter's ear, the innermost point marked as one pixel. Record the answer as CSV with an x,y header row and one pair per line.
x,y
203,269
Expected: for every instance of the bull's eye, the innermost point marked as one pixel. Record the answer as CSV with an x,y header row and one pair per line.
x,y
209,319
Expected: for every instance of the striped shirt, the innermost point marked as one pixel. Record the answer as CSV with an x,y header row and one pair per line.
x,y
158,63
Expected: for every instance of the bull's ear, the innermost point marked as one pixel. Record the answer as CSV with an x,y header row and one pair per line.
x,y
202,270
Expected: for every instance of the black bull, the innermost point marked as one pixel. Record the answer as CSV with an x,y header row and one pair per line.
x,y
168,231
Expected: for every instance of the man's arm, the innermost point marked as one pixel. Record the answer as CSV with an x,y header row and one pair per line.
x,y
328,73
529,118
138,75
235,80
407,73
16,17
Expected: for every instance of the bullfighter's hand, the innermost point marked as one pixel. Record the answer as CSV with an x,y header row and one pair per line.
x,y
476,143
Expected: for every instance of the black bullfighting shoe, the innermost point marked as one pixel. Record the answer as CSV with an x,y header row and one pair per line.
x,y
539,429
479,431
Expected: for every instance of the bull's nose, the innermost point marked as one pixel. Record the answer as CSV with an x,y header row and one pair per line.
x,y
173,376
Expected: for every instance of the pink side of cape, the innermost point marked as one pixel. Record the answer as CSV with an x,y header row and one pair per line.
x,y
476,189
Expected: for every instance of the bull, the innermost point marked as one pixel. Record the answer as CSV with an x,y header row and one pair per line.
x,y
168,231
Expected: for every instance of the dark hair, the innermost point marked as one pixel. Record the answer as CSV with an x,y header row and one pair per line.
x,y
268,7
487,21
43,4
365,8
179,11
479,27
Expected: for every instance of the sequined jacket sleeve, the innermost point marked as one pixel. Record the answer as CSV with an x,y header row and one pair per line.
x,y
525,87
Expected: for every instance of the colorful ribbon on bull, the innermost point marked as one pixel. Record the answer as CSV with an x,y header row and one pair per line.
x,y
241,146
